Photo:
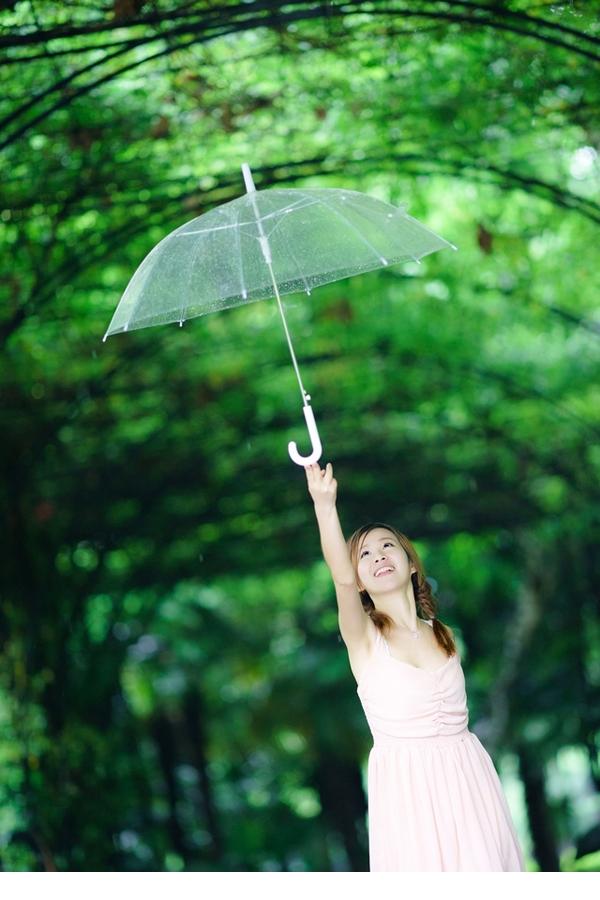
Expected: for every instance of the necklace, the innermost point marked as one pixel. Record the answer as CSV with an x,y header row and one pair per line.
x,y
413,633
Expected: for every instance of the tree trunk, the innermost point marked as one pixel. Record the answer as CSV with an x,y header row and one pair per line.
x,y
342,797
538,811
194,723
163,735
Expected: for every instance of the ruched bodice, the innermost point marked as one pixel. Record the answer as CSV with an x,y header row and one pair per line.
x,y
422,704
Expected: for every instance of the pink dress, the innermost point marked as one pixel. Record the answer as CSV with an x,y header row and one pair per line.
x,y
435,800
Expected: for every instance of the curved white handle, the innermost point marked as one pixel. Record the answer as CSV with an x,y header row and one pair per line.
x,y
314,436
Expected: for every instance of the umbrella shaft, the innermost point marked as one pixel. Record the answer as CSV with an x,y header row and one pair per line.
x,y
266,251
304,395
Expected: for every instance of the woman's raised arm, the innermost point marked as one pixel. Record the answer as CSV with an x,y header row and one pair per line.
x,y
323,489
351,615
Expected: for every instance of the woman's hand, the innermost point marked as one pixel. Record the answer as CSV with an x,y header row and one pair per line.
x,y
321,484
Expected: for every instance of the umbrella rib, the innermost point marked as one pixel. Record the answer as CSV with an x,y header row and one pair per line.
x,y
302,276
290,251
208,230
357,232
402,209
264,218
195,255
292,208
239,254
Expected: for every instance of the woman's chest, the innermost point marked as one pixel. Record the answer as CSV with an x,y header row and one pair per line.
x,y
390,681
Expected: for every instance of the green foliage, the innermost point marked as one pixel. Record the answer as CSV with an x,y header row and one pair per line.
x,y
173,690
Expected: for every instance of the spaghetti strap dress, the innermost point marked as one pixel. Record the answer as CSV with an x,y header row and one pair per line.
x,y
435,800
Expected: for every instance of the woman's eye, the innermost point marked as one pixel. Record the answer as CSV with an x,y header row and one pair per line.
x,y
385,543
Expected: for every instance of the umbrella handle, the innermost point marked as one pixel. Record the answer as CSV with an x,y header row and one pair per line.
x,y
317,449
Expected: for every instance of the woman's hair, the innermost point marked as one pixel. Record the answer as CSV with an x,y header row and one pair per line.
x,y
425,601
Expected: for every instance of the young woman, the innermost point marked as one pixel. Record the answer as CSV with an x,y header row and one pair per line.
x,y
435,800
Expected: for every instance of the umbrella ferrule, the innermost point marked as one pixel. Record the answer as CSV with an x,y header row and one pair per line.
x,y
248,180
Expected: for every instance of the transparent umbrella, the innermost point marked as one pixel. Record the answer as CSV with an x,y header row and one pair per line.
x,y
265,244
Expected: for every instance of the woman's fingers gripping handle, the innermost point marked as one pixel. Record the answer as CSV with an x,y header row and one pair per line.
x,y
322,485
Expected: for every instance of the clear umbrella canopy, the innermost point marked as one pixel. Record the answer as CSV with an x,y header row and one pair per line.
x,y
315,236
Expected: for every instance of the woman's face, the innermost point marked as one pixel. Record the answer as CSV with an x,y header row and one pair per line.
x,y
380,550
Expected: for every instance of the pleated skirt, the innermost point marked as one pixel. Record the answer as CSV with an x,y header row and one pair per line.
x,y
436,804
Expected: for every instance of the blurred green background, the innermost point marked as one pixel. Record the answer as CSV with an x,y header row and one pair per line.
x,y
174,693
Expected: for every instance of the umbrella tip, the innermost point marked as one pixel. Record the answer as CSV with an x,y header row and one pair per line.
x,y
105,336
248,180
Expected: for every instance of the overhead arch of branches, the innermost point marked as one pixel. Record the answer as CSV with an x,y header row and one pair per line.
x,y
201,24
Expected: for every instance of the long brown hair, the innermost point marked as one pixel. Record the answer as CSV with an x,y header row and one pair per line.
x,y
424,599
